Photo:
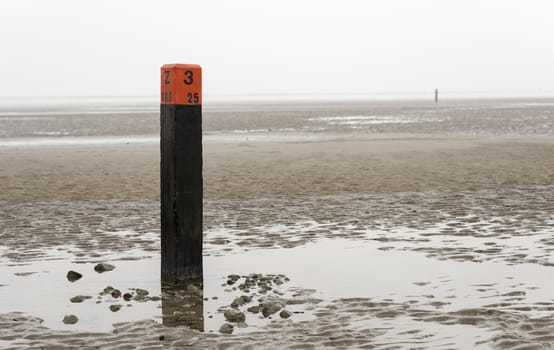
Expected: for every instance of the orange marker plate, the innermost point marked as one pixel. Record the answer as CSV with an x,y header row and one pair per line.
x,y
181,84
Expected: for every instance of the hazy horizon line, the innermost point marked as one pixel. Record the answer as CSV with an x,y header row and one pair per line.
x,y
270,96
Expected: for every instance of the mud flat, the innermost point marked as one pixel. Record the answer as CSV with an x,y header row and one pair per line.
x,y
388,242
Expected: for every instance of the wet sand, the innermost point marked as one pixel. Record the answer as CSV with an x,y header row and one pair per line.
x,y
461,226
376,224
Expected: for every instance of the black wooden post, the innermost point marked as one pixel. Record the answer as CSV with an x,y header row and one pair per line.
x,y
181,172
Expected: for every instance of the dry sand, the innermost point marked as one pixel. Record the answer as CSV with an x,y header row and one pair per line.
x,y
461,200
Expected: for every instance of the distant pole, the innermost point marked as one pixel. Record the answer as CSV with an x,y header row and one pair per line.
x,y
181,172
436,95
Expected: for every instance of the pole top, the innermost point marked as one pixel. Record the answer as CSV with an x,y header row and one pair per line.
x,y
181,84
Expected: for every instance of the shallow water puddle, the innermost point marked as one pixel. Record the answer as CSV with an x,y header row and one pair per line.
x,y
397,290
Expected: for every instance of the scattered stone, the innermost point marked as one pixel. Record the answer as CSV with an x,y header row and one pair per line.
x,y
103,267
253,309
79,298
155,298
270,307
244,299
108,290
234,316
214,298
242,325
161,338
285,314
232,279
73,276
70,319
116,293
115,307
226,328
142,292
127,296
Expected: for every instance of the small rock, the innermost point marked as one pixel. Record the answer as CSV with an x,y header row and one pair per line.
x,y
73,276
242,325
70,319
155,298
284,314
234,316
108,290
161,338
103,267
265,287
115,307
139,297
142,292
226,328
127,296
232,279
116,293
79,298
269,308
253,309
241,301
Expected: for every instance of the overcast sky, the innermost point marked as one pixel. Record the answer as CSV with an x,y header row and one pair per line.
x,y
105,48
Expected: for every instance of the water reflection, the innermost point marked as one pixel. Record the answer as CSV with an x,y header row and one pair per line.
x,y
183,305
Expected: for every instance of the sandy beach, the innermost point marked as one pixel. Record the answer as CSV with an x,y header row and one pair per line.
x,y
382,233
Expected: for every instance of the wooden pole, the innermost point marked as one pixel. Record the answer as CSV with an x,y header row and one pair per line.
x,y
181,172
436,95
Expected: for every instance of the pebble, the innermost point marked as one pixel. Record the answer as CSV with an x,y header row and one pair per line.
x,y
231,279
116,293
103,267
115,307
73,276
284,314
226,328
70,319
269,308
142,292
234,316
127,296
244,299
253,309
79,298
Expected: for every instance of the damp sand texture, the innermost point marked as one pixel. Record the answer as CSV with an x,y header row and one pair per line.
x,y
429,238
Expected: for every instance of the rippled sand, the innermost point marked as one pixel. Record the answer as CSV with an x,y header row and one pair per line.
x,y
396,241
